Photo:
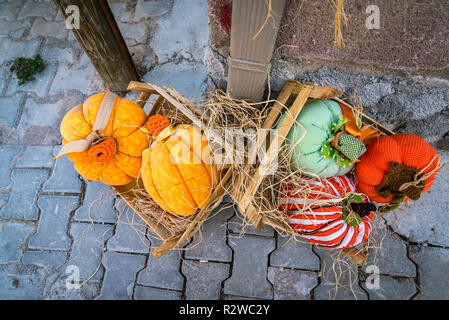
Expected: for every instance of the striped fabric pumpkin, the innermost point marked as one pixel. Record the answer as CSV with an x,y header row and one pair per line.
x,y
329,226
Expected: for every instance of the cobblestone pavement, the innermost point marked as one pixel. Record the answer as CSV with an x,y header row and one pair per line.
x,y
55,226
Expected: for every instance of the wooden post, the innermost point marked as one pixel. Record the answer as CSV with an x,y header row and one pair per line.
x,y
255,24
102,41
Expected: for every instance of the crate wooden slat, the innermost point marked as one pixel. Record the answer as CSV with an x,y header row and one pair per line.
x,y
300,92
129,195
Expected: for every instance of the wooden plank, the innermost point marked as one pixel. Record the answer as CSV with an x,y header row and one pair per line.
x,y
102,41
198,221
252,44
273,150
128,195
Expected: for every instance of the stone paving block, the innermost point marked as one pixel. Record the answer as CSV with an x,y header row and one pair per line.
x,y
11,107
51,260
121,10
5,76
52,228
391,289
50,266
147,293
12,49
120,274
204,279
433,268
7,156
26,184
12,239
55,50
157,8
59,16
36,114
133,33
130,231
291,284
76,77
20,287
231,297
58,291
64,177
87,248
162,272
40,9
39,123
30,279
39,86
13,29
46,29
183,32
98,204
294,254
213,239
249,271
240,226
339,280
389,253
36,157
188,78
3,199
10,9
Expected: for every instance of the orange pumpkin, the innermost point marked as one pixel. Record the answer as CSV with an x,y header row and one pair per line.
x,y
398,166
177,171
116,155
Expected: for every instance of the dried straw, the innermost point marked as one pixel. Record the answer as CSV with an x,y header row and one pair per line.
x,y
339,14
221,112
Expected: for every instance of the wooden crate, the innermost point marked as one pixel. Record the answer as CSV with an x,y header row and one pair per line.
x,y
297,94
129,194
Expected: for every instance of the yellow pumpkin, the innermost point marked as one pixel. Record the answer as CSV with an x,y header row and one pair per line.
x,y
177,170
115,157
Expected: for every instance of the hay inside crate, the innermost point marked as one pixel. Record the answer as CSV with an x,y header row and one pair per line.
x,y
293,96
178,110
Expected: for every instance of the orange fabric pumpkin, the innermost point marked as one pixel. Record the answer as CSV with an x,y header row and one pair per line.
x,y
115,158
401,165
177,171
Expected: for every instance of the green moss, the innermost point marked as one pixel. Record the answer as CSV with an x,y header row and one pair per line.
x,y
26,68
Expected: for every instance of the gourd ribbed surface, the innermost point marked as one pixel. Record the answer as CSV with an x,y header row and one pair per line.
x,y
406,149
123,141
325,225
308,135
177,172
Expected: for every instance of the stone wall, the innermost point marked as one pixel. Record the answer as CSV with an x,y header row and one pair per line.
x,y
401,70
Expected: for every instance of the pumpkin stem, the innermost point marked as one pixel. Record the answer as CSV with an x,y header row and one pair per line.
x,y
156,124
363,209
349,145
350,213
102,150
399,180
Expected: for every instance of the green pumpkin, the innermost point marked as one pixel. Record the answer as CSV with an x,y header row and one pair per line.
x,y
311,137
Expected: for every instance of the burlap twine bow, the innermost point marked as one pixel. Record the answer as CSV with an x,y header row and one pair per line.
x,y
404,180
100,125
